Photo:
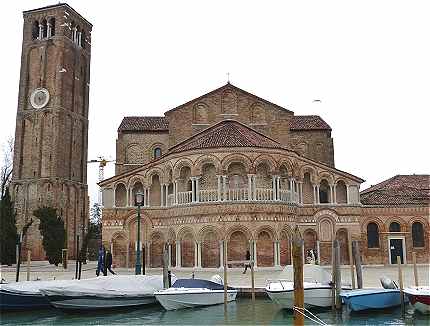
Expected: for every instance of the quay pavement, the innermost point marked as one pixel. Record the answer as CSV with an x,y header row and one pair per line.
x,y
371,273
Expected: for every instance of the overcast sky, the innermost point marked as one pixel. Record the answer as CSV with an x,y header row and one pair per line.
x,y
367,61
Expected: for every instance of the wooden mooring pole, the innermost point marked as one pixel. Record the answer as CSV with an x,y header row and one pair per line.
x,y
28,264
165,267
357,259
224,248
351,261
402,301
414,261
337,273
299,293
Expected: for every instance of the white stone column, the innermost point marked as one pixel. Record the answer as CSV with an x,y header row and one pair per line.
x,y
254,245
161,194
197,189
273,187
301,192
114,199
148,202
148,253
318,194
221,253
254,187
176,191
166,192
196,254
169,248
178,254
224,187
49,30
40,31
79,38
127,257
278,188
334,194
199,254
193,189
219,187
275,253
348,200
249,187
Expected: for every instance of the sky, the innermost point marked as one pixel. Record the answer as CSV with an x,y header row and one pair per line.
x,y
368,62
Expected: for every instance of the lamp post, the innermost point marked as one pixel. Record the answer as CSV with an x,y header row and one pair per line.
x,y
139,201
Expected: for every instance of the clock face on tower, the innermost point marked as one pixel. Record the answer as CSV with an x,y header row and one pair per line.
x,y
39,98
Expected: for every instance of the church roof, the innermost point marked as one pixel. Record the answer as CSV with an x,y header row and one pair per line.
x,y
229,86
144,124
299,122
308,122
227,133
399,190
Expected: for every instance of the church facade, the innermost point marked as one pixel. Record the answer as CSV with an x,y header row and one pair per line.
x,y
232,169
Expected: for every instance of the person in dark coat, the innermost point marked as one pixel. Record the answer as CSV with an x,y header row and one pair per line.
x,y
101,261
109,263
248,257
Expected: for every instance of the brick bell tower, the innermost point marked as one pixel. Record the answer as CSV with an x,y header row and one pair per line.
x,y
51,137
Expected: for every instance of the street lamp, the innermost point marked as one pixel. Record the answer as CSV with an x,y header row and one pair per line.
x,y
139,202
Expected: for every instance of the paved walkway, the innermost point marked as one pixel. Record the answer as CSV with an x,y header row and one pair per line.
x,y
371,274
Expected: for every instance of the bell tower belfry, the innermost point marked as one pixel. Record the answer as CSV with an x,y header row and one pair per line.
x,y
51,137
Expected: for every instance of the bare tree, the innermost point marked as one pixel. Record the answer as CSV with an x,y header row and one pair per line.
x,y
6,165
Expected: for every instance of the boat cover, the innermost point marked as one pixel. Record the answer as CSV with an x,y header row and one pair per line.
x,y
421,290
311,273
196,283
109,286
33,287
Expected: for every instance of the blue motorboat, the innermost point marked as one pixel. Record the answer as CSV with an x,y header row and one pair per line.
x,y
10,300
363,299
25,295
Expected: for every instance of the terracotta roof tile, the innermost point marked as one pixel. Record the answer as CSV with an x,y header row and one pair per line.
x,y
399,190
144,124
227,133
308,122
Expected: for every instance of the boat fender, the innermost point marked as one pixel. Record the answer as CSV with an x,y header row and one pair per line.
x,y
387,283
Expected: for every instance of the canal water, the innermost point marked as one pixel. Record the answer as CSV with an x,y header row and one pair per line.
x,y
241,312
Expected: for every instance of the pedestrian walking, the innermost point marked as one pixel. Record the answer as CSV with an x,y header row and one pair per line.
x,y
248,257
101,261
109,263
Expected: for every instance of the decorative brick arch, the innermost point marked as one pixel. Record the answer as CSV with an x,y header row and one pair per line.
x,y
324,175
187,238
210,237
395,219
207,159
265,236
238,237
119,240
342,237
157,248
265,159
237,158
308,169
285,236
150,174
286,162
183,162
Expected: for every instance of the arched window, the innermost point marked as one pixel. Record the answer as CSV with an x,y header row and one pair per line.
x,y
44,29
417,234
83,39
394,227
157,152
372,235
52,27
35,30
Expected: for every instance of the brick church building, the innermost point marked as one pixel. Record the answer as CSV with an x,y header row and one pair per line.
x,y
232,169
225,169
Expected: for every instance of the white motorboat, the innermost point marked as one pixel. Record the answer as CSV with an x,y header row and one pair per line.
x,y
107,292
317,287
419,298
190,293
